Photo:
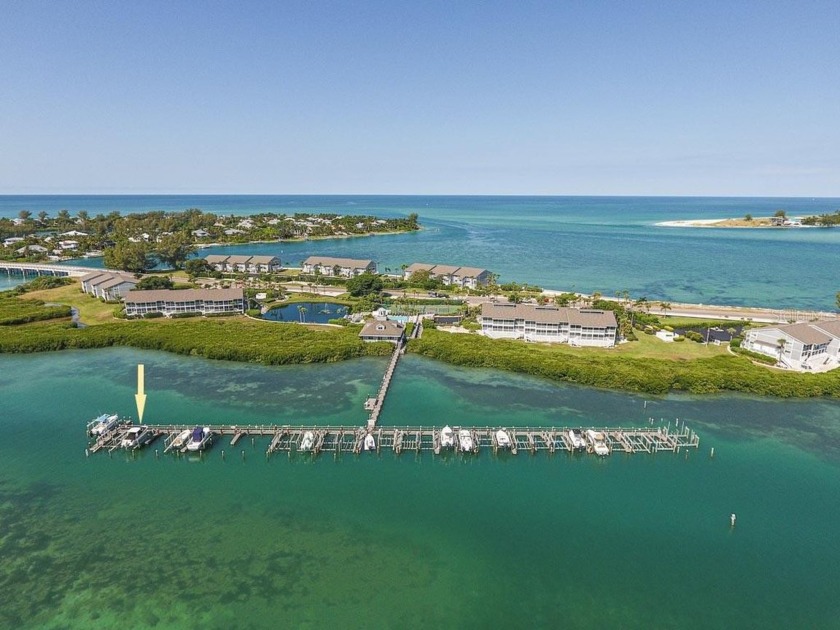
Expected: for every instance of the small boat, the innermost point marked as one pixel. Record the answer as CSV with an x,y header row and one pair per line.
x,y
503,439
598,442
447,437
307,442
200,439
137,437
181,439
576,439
465,440
370,442
102,425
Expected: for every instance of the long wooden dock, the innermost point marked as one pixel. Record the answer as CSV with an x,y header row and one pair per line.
x,y
417,439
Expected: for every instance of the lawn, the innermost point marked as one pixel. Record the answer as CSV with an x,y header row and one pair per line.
x,y
91,310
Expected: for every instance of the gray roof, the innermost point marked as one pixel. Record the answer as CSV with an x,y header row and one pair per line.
x,y
236,260
94,274
805,333
263,260
414,267
117,281
185,295
327,261
446,270
831,326
549,315
470,272
215,258
389,329
106,277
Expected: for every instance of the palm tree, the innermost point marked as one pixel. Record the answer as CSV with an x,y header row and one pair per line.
x,y
782,343
665,307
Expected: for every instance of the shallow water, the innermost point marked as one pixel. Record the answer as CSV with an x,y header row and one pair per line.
x,y
586,244
378,540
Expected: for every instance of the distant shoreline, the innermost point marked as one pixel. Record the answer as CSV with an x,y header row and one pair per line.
x,y
731,223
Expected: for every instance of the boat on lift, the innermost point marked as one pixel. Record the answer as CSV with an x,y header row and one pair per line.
x,y
103,424
447,437
200,439
503,438
308,441
576,439
137,437
370,442
598,442
465,441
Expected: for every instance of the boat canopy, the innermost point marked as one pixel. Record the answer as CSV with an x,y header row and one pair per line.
x,y
198,434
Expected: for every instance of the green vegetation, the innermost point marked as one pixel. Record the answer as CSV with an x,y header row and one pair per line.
x,y
15,311
155,282
823,220
715,373
235,339
364,285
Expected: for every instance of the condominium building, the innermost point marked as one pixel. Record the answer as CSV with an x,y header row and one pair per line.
x,y
577,327
346,267
170,302
450,275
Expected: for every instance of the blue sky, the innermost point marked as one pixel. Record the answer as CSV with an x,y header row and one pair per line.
x,y
562,97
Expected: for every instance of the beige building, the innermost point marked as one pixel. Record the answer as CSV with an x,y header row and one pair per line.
x,y
251,265
346,267
379,330
107,285
813,346
171,302
450,275
553,324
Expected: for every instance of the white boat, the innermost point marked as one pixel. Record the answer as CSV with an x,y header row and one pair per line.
x,y
200,439
308,441
137,437
447,437
576,438
181,439
102,425
598,442
465,440
503,439
370,443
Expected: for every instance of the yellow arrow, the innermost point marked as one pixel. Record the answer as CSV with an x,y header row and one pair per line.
x,y
140,397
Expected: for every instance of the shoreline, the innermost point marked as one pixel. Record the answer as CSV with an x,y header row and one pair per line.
x,y
731,223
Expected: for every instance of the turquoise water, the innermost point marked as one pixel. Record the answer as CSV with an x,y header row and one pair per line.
x,y
385,541
313,312
587,244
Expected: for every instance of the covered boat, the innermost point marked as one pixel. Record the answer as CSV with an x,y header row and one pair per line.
x,y
137,437
102,425
465,440
181,439
200,439
503,438
447,437
308,441
370,442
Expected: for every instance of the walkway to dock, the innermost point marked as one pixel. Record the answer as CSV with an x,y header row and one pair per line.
x,y
376,405
349,439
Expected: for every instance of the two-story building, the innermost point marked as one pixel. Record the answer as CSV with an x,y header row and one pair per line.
x,y
170,302
329,266
553,324
251,265
108,285
450,275
811,346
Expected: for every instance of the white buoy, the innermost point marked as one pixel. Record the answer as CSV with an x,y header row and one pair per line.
x,y
712,454
732,520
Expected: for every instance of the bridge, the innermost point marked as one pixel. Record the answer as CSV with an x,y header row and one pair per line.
x,y
38,269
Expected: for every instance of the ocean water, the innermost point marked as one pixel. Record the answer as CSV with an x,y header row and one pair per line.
x,y
586,244
385,541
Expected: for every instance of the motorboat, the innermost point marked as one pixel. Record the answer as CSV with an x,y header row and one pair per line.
x,y
102,425
465,440
137,437
200,439
181,439
597,440
370,442
308,441
576,439
447,437
503,439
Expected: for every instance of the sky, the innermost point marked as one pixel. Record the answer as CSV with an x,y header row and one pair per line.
x,y
563,97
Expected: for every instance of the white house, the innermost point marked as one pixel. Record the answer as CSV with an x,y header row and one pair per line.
x,y
813,346
171,302
328,266
244,264
578,327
